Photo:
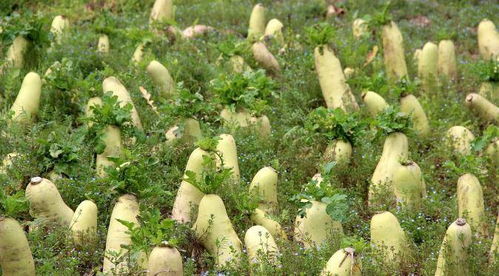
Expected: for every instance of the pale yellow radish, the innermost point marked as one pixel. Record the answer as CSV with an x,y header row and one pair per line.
x,y
17,51
84,223
492,152
165,260
112,84
316,227
91,104
162,10
265,58
374,102
408,185
344,262
188,196
389,239
483,107
359,28
227,149
274,30
428,67
27,102
238,65
338,151
490,90
393,52
242,118
125,209
335,90
260,217
46,203
15,254
453,255
138,54
257,22
348,72
460,138
410,105
415,57
195,31
188,129
103,44
395,149
488,40
161,78
59,27
447,60
261,248
470,203
112,140
214,230
494,248
264,185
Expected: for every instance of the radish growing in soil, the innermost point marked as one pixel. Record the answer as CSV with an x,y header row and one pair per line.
x,y
15,254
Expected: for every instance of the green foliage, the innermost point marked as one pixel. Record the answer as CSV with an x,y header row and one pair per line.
x,y
320,34
392,120
230,47
28,25
211,179
379,18
377,83
486,70
251,90
186,104
404,87
154,230
63,75
336,124
111,112
12,205
481,142
60,153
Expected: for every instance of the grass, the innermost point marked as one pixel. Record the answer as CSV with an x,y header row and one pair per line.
x,y
60,141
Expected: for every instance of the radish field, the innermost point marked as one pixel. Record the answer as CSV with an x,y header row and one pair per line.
x,y
237,137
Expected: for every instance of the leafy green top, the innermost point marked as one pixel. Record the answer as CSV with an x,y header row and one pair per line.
x,y
28,25
486,70
229,48
320,34
250,90
379,18
336,124
186,104
392,120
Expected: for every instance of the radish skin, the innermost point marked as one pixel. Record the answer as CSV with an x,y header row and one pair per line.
x,y
395,149
374,102
89,113
113,85
264,185
488,40
453,256
359,28
103,44
410,105
408,185
191,131
490,90
188,196
338,151
393,52
138,54
126,209
316,227
260,217
195,31
460,138
256,23
274,30
335,90
214,230
16,52
470,203
45,202
15,254
492,152
485,109
227,149
265,58
165,260
389,239
243,118
112,140
447,60
27,103
343,263
84,223
494,248
162,10
161,78
59,26
238,65
428,67
348,72
261,247
416,56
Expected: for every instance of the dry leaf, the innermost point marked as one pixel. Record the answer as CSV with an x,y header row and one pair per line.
x,y
333,10
148,99
371,55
